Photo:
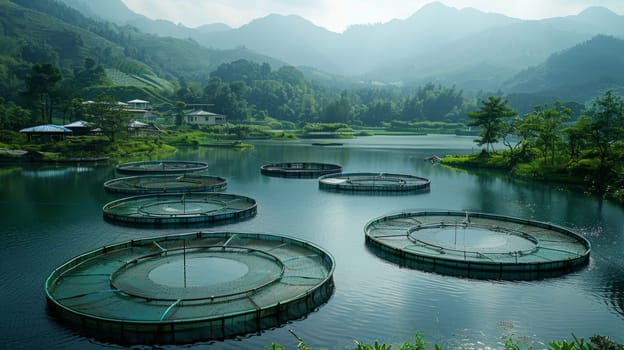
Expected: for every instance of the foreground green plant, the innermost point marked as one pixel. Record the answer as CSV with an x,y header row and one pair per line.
x,y
376,346
597,342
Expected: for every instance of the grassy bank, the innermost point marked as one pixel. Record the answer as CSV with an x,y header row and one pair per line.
x,y
583,175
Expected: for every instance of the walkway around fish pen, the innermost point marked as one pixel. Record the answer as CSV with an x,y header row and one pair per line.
x,y
160,167
374,182
305,170
180,208
166,184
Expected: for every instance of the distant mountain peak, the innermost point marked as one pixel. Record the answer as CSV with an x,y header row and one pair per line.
x,y
279,22
597,10
279,19
115,11
435,4
433,8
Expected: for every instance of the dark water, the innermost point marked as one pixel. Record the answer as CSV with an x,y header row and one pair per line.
x,y
49,214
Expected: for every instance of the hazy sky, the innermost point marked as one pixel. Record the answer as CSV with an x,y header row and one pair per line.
x,y
336,15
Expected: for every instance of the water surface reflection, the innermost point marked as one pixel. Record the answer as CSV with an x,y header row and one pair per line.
x,y
46,220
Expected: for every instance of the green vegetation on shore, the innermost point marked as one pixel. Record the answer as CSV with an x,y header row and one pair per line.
x,y
84,148
545,146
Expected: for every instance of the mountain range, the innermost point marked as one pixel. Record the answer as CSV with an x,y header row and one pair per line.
x,y
473,50
441,44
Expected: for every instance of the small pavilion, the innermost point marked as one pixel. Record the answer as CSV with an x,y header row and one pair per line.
x,y
46,133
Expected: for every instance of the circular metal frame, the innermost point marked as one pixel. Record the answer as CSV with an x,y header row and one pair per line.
x,y
176,208
477,245
160,167
299,169
111,292
166,184
374,182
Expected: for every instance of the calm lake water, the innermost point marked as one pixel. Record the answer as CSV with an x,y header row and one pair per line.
x,y
49,214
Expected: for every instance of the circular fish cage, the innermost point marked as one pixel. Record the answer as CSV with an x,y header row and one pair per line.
x,y
160,167
477,245
299,170
184,208
374,182
166,184
194,287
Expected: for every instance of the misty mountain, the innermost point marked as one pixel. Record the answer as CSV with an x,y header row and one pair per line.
x,y
579,73
469,48
366,48
292,39
168,29
115,11
35,31
593,20
360,48
483,60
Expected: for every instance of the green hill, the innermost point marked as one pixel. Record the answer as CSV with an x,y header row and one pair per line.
x,y
46,31
579,73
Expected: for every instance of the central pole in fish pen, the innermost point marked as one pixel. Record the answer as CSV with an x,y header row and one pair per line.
x,y
184,260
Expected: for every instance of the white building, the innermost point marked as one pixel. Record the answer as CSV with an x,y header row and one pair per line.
x,y
138,104
201,117
140,109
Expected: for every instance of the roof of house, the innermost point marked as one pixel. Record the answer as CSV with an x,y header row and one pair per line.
x,y
46,128
202,113
138,101
137,124
77,124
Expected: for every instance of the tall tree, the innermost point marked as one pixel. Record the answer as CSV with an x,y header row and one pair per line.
x,y
339,111
491,118
12,116
606,125
105,113
41,85
179,116
547,124
91,74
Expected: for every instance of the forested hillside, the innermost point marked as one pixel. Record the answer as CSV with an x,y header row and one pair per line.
x,y
579,73
53,56
36,31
